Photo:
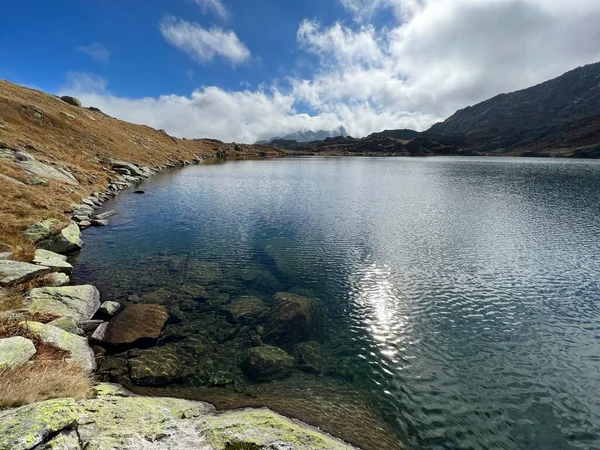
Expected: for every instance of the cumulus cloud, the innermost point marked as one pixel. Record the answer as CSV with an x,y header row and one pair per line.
x,y
202,44
436,57
215,6
96,51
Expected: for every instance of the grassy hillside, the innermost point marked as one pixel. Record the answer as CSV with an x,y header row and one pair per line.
x,y
80,140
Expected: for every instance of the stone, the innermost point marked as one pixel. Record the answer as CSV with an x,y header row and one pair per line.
x,y
105,215
310,357
160,296
78,302
12,272
79,350
67,324
65,440
84,224
99,223
68,115
26,427
71,100
12,180
89,202
139,191
100,332
56,262
294,319
203,272
82,210
67,241
20,155
156,366
56,279
90,325
41,230
35,181
136,322
195,291
42,170
5,255
109,308
246,310
15,351
134,169
267,363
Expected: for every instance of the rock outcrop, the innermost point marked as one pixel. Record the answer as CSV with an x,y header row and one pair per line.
x,y
67,241
117,419
12,272
78,302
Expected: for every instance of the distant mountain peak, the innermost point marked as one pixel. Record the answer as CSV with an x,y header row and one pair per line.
x,y
309,135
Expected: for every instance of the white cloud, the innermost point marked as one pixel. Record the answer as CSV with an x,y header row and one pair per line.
x,y
215,6
203,44
96,51
437,56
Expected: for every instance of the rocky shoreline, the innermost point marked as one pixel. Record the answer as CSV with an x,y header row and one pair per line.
x,y
78,318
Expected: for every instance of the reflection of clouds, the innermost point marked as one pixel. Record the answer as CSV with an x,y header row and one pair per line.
x,y
378,304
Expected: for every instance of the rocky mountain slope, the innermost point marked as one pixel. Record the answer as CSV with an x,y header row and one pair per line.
x,y
560,117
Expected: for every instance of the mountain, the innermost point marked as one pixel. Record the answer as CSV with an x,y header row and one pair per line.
x,y
560,113
309,136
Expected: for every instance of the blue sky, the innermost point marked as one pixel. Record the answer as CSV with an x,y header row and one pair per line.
x,y
246,70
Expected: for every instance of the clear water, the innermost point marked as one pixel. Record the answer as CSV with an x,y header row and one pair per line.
x,y
462,294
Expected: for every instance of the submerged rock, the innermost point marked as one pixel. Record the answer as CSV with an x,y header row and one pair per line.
x,y
136,322
310,357
15,351
13,272
246,310
156,366
203,272
77,346
294,319
266,363
67,241
78,302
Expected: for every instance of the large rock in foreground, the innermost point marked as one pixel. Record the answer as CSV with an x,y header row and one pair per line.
x,y
67,241
77,346
267,363
15,351
41,230
78,302
136,322
294,319
13,272
116,419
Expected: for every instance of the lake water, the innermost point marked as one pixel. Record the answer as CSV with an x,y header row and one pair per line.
x,y
462,294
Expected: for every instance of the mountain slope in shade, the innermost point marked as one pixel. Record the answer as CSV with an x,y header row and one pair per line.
x,y
560,113
309,136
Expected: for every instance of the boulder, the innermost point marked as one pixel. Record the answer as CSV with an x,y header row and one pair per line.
x,y
67,241
310,357
156,366
41,230
134,169
267,363
82,210
294,319
99,332
109,309
27,427
58,263
42,170
20,155
246,310
90,325
12,272
15,351
71,100
77,346
78,302
67,324
136,322
56,279
99,223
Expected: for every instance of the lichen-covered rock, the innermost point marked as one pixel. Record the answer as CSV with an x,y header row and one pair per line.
x,y
134,169
46,171
5,255
136,322
294,319
266,363
156,366
13,272
28,426
78,302
67,324
77,346
67,241
65,440
246,310
41,230
109,309
58,263
56,279
15,351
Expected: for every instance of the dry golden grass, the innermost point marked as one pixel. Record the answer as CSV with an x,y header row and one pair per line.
x,y
40,381
32,121
10,299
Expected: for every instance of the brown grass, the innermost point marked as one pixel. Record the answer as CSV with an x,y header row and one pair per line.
x,y
10,327
10,299
31,383
82,145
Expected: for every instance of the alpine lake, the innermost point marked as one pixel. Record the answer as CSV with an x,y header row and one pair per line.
x,y
420,303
